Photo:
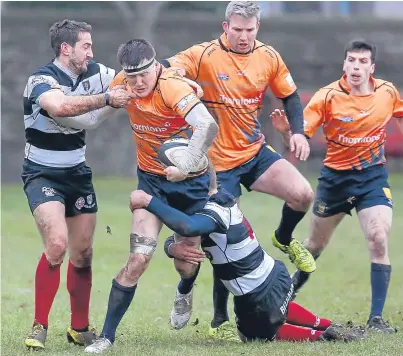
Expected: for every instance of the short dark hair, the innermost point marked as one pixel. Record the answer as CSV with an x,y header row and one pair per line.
x,y
360,45
66,31
135,51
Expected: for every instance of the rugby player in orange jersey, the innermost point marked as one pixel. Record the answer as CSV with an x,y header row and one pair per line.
x,y
354,112
235,72
165,108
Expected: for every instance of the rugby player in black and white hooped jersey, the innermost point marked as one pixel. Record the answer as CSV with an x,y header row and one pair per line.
x,y
57,181
262,286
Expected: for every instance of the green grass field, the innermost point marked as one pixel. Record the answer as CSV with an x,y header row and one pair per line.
x,y
339,289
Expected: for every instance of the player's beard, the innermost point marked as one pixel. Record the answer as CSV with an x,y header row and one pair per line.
x,y
76,66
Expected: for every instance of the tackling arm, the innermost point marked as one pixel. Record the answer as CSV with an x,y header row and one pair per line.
x,y
58,104
88,121
182,224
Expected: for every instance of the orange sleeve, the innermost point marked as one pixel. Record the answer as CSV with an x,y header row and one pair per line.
x,y
189,60
118,80
178,95
281,82
398,107
314,113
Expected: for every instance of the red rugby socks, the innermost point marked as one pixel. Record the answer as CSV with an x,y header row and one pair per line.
x,y
47,280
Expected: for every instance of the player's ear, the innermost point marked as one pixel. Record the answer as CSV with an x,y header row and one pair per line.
x,y
372,70
344,65
258,26
65,48
225,26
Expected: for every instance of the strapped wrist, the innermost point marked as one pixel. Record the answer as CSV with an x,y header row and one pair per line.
x,y
107,99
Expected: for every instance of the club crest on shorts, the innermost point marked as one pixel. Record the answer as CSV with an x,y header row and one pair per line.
x,y
49,192
80,203
320,207
89,199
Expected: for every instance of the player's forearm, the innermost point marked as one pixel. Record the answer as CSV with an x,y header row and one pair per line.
x,y
88,121
182,224
77,105
205,131
286,138
295,113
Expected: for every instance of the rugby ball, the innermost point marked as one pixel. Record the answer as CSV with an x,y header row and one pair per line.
x,y
171,151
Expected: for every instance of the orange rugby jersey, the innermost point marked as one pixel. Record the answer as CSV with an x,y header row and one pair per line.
x,y
159,117
234,85
354,126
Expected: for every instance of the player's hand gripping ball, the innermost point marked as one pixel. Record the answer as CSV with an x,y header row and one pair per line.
x,y
171,152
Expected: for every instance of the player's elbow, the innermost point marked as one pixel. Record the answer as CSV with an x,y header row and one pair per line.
x,y
58,110
54,104
212,127
187,230
54,110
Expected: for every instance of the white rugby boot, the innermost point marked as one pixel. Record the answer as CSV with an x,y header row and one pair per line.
x,y
182,309
98,346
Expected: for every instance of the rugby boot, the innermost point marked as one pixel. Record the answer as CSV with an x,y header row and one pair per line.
x,y
226,331
83,338
98,346
376,323
36,337
298,254
337,332
182,309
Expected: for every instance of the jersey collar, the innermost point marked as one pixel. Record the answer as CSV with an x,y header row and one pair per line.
x,y
66,71
346,88
224,44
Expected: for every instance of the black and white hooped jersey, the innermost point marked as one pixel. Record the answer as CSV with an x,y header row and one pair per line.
x,y
47,142
235,254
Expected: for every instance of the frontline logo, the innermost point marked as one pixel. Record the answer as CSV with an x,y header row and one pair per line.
x,y
354,140
148,128
241,101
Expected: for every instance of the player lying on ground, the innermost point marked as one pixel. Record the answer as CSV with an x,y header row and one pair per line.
x,y
354,112
261,286
165,108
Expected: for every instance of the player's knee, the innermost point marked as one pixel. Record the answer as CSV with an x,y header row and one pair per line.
x,y
184,269
141,251
302,198
55,250
135,266
82,258
378,241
